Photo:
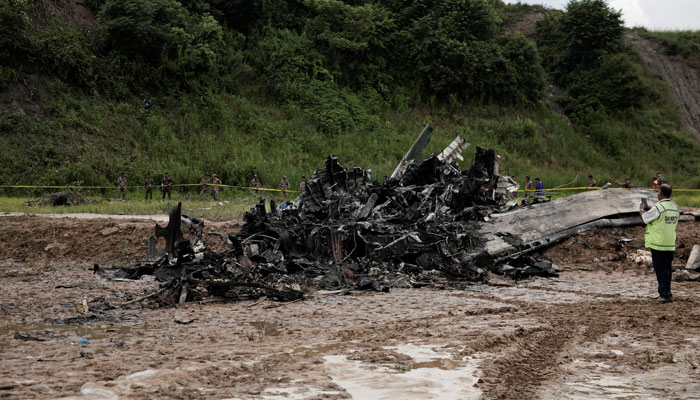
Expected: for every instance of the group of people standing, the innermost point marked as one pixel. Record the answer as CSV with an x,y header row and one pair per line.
x,y
656,182
538,190
284,185
210,185
166,186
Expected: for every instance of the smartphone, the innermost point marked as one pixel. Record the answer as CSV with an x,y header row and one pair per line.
x,y
646,205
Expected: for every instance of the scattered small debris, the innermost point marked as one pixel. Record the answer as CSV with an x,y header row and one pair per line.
x,y
109,231
28,337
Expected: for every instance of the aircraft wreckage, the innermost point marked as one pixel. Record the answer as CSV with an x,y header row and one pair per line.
x,y
430,224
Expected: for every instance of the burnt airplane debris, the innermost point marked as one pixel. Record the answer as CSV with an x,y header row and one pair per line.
x,y
431,224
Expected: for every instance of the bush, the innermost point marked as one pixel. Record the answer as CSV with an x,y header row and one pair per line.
x,y
14,29
64,51
8,77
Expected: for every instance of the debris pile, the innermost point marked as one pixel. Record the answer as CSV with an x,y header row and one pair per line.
x,y
349,232
691,270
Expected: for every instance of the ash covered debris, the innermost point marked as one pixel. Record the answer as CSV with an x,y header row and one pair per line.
x,y
348,232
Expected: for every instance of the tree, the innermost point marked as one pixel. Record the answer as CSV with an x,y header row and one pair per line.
x,y
591,29
142,28
354,40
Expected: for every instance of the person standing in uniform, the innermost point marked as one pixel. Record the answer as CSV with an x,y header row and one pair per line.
x,y
660,237
657,181
148,181
591,182
215,187
627,184
255,182
284,186
528,190
166,185
660,178
121,184
205,190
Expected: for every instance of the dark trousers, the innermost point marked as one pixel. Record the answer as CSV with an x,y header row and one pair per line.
x,y
662,266
166,190
149,192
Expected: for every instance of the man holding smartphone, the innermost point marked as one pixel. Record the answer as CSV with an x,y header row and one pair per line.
x,y
660,237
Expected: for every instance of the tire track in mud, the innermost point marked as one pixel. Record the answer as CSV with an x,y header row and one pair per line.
x,y
530,358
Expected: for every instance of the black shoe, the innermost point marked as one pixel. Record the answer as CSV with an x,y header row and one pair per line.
x,y
663,299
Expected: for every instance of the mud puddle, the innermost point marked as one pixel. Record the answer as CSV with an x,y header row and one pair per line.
x,y
607,387
435,375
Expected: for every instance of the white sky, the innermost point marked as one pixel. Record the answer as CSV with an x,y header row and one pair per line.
x,y
651,14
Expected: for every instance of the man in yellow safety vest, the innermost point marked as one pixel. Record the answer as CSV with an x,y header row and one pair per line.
x,y
660,237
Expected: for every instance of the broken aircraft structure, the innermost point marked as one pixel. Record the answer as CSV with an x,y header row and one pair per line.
x,y
430,224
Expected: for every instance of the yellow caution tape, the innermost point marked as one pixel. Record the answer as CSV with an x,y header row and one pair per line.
x,y
142,187
594,188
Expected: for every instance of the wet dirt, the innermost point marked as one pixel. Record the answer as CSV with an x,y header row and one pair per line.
x,y
56,238
591,333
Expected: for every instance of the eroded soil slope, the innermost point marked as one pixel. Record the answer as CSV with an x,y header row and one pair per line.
x,y
682,79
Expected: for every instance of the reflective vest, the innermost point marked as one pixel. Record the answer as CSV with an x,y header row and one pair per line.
x,y
661,232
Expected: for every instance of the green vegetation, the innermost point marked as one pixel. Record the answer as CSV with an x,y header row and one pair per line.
x,y
192,206
683,43
271,88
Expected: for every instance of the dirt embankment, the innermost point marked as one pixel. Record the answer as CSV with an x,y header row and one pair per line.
x,y
527,24
74,11
49,240
682,79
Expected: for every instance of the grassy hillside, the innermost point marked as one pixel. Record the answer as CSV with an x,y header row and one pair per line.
x,y
275,93
683,43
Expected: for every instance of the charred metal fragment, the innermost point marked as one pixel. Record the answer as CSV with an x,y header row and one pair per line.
x,y
171,232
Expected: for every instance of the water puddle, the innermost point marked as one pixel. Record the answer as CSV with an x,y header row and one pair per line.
x,y
118,388
435,375
318,350
607,387
298,392
43,332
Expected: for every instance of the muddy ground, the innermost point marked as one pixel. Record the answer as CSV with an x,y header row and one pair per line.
x,y
591,333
